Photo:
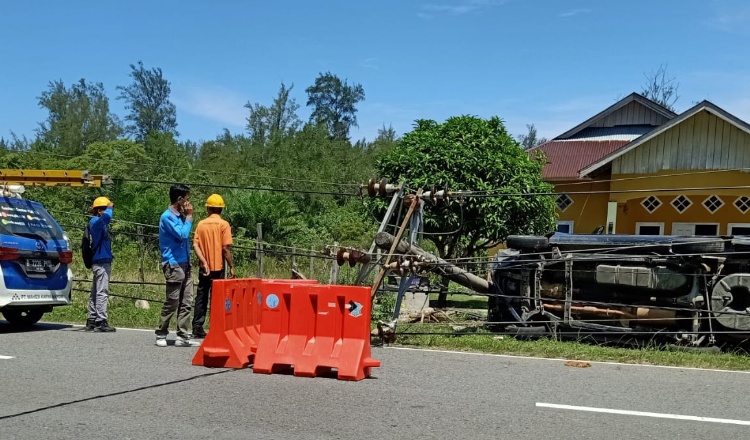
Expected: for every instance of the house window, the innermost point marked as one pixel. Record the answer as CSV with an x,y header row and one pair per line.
x,y
651,203
742,203
565,227
563,202
647,228
713,204
681,203
738,229
695,229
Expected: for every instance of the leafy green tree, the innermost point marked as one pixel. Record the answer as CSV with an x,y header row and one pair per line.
x,y
470,153
277,212
147,100
271,122
77,117
386,139
334,104
530,139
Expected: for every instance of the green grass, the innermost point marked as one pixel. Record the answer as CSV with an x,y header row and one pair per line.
x,y
462,301
442,337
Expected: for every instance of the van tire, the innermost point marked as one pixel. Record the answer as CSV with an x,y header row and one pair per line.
x,y
527,242
23,317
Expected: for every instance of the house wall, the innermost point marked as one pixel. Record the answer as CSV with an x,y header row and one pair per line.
x,y
702,142
630,211
633,113
588,211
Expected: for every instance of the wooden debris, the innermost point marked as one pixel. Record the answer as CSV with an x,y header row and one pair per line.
x,y
427,315
577,364
384,332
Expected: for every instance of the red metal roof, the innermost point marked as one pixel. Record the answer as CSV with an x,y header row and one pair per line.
x,y
565,158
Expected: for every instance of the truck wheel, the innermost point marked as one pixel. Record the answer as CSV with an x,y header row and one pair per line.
x,y
527,242
697,245
23,317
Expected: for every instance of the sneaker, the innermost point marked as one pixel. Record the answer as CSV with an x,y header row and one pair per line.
x,y
183,342
104,327
161,342
198,333
90,325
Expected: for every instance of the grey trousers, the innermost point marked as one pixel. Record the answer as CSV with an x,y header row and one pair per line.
x,y
99,292
179,300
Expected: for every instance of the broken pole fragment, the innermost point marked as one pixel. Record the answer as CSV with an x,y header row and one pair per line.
x,y
384,240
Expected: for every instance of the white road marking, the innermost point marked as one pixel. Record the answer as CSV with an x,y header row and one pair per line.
x,y
511,356
644,414
6,357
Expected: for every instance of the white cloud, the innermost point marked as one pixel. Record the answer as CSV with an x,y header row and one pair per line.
x,y
369,63
214,103
574,12
458,8
732,19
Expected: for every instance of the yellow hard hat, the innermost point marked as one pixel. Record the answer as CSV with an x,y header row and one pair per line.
x,y
214,201
101,202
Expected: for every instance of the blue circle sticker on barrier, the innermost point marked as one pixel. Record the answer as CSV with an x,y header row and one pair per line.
x,y
272,301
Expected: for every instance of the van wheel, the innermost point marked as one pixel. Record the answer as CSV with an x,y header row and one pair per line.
x,y
23,317
531,243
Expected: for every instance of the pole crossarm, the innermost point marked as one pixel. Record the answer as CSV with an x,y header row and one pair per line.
x,y
71,178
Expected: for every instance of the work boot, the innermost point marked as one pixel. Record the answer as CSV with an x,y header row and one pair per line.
x,y
104,327
90,325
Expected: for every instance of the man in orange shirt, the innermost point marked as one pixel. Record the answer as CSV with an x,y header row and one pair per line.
x,y
213,245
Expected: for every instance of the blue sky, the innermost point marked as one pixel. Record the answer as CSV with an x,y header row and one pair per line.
x,y
553,63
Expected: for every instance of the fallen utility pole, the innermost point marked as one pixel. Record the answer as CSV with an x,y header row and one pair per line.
x,y
454,273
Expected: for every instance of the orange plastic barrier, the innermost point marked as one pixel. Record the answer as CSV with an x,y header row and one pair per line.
x,y
315,328
234,326
232,336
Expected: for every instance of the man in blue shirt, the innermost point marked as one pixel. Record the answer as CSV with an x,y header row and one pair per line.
x,y
101,215
174,232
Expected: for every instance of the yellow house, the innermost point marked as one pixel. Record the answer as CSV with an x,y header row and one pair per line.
x,y
638,168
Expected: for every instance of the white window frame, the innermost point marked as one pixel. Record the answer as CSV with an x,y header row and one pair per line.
x,y
569,223
734,203
690,204
572,201
732,225
639,224
643,203
723,204
718,226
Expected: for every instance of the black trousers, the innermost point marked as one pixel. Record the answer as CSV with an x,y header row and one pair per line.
x,y
203,297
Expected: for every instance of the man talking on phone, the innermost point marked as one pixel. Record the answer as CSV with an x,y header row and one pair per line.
x,y
213,246
174,232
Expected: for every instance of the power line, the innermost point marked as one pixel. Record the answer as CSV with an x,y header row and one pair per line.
x,y
249,188
485,194
626,179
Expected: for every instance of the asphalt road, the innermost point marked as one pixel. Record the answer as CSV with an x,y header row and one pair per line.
x,y
62,383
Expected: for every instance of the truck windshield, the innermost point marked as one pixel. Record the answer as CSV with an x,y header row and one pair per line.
x,y
22,218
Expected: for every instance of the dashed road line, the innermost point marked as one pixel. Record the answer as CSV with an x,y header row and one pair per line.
x,y
643,414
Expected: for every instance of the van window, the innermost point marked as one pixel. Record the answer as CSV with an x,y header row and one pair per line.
x,y
22,218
